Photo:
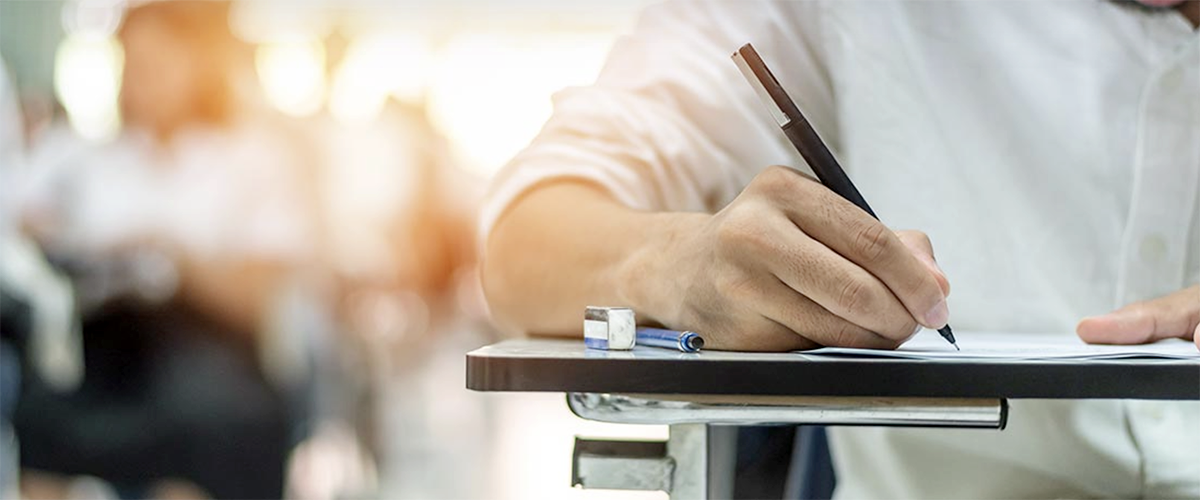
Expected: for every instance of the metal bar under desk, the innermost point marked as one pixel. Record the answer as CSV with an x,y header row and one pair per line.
x,y
775,410
697,461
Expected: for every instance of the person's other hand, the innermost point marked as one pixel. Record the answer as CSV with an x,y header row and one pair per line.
x,y
791,265
1174,316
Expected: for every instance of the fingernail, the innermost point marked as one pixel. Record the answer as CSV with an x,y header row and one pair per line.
x,y
938,316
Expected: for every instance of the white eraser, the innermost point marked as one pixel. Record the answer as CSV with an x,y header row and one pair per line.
x,y
611,328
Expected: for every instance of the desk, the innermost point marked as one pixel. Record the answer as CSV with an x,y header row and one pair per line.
x,y
703,396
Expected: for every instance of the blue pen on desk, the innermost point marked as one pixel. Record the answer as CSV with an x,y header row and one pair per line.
x,y
669,339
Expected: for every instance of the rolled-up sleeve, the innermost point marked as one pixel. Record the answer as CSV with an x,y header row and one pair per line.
x,y
670,124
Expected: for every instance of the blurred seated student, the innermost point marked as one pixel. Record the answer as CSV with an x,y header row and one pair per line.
x,y
180,233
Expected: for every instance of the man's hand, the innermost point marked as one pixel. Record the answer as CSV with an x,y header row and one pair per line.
x,y
1174,316
790,265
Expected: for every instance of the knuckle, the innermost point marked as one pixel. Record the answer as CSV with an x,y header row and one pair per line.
x,y
732,230
1143,308
844,335
925,288
903,330
777,173
776,181
873,242
921,237
853,297
742,230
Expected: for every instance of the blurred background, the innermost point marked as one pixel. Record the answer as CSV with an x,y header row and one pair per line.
x,y
239,255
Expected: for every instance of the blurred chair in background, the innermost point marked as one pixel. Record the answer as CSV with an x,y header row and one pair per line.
x,y
180,236
400,224
398,237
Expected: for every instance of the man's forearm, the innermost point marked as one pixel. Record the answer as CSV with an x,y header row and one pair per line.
x,y
568,245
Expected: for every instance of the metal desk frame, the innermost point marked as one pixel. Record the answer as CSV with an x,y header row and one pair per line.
x,y
704,397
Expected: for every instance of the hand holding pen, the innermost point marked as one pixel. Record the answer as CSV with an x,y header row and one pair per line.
x,y
802,135
791,265
788,264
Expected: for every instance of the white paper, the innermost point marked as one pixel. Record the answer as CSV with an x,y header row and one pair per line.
x,y
927,344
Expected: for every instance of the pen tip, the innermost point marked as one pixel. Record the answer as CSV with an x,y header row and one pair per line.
x,y
956,347
948,334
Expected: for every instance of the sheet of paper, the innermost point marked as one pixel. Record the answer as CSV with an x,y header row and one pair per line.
x,y
927,344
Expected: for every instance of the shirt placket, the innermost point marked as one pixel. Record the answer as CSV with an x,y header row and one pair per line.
x,y
1154,256
1166,181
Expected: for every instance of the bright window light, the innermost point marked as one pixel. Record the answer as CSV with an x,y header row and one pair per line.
x,y
374,67
490,94
292,74
87,79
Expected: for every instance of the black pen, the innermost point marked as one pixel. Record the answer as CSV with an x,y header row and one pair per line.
x,y
804,137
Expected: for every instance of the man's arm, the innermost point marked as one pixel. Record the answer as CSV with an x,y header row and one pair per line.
x,y
613,204
786,265
565,246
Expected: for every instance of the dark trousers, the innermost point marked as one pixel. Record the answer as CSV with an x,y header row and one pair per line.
x,y
165,395
783,462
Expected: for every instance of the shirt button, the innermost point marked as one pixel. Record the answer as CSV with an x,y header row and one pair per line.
x,y
1172,80
1153,412
1153,249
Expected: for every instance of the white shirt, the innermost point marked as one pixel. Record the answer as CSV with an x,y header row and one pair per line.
x,y
1051,150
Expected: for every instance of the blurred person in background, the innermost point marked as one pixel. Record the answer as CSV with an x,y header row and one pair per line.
x,y
180,234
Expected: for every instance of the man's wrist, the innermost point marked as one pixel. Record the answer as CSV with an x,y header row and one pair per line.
x,y
647,279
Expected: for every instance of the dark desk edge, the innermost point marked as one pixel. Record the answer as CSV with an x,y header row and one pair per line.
x,y
837,377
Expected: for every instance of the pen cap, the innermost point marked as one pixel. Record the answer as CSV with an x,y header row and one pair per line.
x,y
763,82
612,328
